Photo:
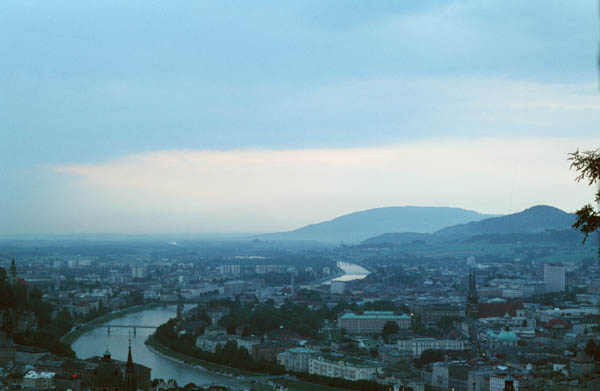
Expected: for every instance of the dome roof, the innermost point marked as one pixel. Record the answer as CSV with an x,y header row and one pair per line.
x,y
491,334
507,336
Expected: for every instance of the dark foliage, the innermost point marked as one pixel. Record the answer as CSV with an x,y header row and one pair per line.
x,y
229,354
262,318
588,165
342,383
429,356
18,298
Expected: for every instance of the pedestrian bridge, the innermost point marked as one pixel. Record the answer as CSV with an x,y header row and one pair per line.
x,y
130,326
127,326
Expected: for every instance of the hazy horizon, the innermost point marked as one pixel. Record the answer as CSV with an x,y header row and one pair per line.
x,y
248,117
235,235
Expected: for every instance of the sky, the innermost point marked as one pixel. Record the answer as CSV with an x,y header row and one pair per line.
x,y
259,116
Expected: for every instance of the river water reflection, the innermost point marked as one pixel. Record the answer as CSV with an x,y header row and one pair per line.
x,y
95,342
352,272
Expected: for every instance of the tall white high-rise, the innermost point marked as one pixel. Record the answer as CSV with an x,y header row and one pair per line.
x,y
554,277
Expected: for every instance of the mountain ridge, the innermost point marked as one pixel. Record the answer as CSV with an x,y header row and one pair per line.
x,y
358,226
534,220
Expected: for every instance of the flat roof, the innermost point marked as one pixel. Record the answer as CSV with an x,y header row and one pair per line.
x,y
374,315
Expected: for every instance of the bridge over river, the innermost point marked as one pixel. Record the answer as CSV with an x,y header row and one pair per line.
x,y
127,326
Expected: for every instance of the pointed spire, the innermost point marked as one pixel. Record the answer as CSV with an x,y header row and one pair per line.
x,y
472,307
472,284
13,267
129,358
13,272
130,375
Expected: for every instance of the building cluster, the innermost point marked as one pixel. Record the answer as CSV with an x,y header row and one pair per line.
x,y
480,324
41,370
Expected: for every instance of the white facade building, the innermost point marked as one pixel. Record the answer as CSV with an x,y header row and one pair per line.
x,y
138,271
344,367
296,359
497,381
230,269
418,345
39,380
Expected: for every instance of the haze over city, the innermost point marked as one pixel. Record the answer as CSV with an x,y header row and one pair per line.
x,y
143,117
312,195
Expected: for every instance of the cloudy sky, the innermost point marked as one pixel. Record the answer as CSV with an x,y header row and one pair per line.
x,y
254,116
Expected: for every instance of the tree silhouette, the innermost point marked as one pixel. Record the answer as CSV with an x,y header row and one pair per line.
x,y
587,163
389,328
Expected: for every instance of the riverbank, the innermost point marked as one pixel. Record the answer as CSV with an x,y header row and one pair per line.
x,y
164,351
77,332
288,382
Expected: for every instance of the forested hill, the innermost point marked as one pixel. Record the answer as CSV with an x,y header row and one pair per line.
x,y
538,218
358,226
537,230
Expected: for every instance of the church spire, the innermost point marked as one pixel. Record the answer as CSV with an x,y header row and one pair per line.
x,y
472,285
129,358
472,298
13,272
130,375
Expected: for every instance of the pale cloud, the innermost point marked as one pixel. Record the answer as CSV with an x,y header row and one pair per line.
x,y
266,190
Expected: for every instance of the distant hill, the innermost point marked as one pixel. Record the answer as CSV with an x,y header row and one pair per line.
x,y
398,238
535,219
553,223
358,226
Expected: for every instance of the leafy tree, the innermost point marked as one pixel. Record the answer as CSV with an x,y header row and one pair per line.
x,y
2,275
380,305
429,356
389,328
588,165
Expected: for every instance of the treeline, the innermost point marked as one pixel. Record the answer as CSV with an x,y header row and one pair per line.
x,y
432,355
229,354
366,385
262,318
259,319
15,299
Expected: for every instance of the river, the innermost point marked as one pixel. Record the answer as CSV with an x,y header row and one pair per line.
x,y
96,341
351,272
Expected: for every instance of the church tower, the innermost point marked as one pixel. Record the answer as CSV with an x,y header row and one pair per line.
x,y
130,375
472,310
12,278
509,382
